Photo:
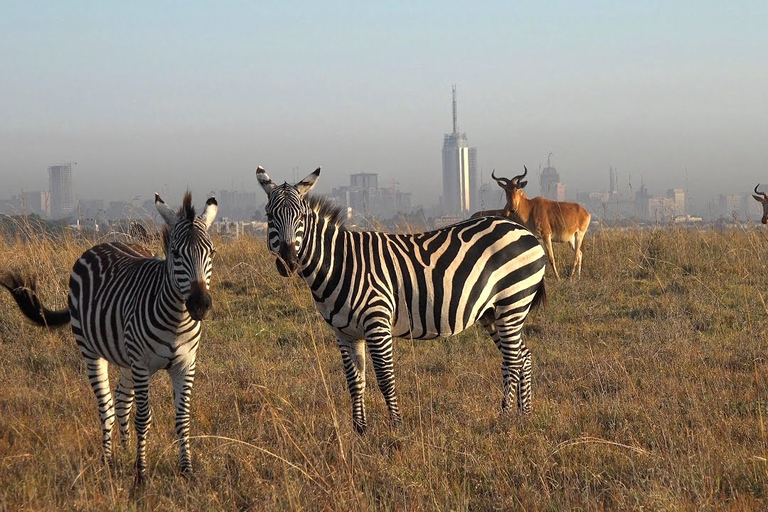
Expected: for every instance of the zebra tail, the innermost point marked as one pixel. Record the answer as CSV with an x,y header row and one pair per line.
x,y
540,298
30,304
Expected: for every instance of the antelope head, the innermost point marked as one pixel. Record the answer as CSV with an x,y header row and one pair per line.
x,y
513,189
763,198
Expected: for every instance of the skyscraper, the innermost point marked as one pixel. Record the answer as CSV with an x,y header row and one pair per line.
x,y
459,170
60,180
550,185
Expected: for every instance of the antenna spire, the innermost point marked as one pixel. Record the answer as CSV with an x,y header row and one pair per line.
x,y
455,112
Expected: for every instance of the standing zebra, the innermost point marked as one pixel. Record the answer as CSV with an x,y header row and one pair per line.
x,y
372,286
141,313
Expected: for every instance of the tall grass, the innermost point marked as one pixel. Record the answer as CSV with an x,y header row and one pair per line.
x,y
650,392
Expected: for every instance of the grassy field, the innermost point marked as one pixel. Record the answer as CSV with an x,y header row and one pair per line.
x,y
650,392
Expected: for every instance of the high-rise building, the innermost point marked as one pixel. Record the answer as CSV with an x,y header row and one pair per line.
x,y
459,170
550,185
60,180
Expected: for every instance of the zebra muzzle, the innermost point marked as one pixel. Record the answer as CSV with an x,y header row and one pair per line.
x,y
287,260
199,303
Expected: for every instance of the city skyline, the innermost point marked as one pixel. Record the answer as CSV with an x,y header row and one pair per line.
x,y
368,202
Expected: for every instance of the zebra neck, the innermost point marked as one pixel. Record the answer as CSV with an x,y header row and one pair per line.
x,y
316,258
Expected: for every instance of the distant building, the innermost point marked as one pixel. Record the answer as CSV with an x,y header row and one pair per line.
x,y
62,199
738,207
660,209
365,201
364,180
27,203
238,206
550,185
677,197
459,171
490,197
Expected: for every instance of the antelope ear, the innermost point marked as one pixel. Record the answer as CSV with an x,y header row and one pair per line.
x,y
211,209
264,180
758,198
522,184
166,212
307,183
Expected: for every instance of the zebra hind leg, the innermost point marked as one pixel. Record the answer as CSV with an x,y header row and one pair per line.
x,y
98,376
524,383
353,359
516,366
488,321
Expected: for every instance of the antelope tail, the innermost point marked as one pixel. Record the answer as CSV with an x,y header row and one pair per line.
x,y
30,305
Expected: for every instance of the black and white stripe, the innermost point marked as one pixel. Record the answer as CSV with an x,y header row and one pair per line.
x,y
141,313
372,286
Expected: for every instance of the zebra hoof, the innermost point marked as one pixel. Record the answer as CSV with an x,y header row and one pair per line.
x,y
139,480
359,428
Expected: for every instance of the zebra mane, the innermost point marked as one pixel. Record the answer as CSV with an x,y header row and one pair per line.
x,y
187,210
326,209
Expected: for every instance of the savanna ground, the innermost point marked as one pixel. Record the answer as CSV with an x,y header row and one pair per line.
x,y
650,392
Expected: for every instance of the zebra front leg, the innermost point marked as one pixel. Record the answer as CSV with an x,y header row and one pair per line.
x,y
379,341
183,378
143,419
98,376
353,358
124,403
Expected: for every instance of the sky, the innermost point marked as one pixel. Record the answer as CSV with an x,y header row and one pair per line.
x,y
163,96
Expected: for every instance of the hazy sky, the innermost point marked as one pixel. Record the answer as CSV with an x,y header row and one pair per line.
x,y
158,96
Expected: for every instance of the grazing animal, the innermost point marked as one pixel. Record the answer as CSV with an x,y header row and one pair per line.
x,y
141,313
487,213
371,286
138,232
763,199
557,221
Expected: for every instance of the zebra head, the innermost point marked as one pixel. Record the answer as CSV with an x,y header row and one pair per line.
x,y
189,252
286,216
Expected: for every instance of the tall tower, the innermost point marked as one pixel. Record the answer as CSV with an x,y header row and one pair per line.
x,y
459,170
548,181
60,181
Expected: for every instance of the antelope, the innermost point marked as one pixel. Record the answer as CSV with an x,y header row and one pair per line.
x,y
763,199
557,221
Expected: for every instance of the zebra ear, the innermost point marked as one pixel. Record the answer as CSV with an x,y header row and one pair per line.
x,y
166,212
307,183
264,180
211,209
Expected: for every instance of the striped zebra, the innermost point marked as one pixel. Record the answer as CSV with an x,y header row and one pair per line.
x,y
142,313
371,286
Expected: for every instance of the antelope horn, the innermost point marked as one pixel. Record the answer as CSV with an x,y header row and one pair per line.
x,y
756,192
521,176
501,181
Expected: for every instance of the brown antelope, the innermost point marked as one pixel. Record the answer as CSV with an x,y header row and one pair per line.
x,y
764,200
551,220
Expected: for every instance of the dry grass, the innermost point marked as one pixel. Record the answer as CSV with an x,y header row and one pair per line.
x,y
650,392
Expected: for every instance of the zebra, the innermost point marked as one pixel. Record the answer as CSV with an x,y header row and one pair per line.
x,y
370,287
141,313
